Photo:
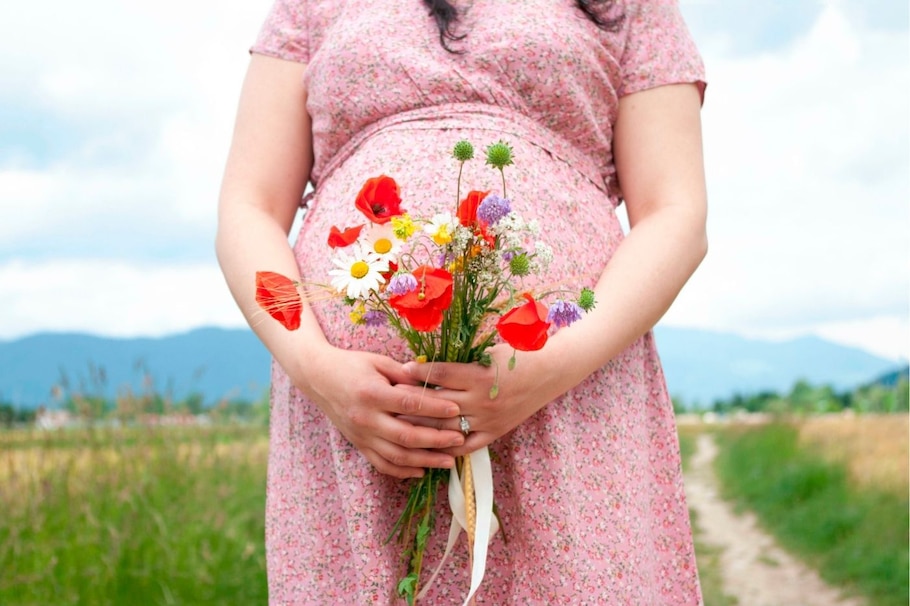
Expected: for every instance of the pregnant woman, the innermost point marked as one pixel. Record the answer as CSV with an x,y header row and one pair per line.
x,y
600,101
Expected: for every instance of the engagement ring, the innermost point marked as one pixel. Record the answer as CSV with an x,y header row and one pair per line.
x,y
465,426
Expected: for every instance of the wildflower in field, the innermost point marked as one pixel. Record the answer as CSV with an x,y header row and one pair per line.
x,y
441,228
380,241
402,283
493,208
563,313
340,238
357,274
379,199
525,327
403,226
278,296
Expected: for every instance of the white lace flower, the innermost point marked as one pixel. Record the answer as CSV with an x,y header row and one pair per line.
x,y
357,272
381,243
543,254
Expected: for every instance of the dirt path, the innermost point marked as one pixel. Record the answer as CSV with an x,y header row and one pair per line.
x,y
755,570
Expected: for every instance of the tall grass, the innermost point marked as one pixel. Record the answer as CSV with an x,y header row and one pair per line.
x,y
855,535
133,516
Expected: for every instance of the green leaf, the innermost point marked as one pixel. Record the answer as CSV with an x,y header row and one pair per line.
x,y
407,587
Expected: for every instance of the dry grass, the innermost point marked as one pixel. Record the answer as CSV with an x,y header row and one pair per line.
x,y
874,448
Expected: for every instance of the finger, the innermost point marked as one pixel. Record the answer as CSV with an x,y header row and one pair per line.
x,y
404,434
448,425
384,466
398,457
430,422
474,442
447,374
419,401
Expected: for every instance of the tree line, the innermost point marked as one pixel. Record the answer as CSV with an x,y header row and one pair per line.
x,y
887,394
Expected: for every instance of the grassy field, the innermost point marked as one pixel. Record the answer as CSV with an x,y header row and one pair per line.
x,y
175,515
815,485
138,516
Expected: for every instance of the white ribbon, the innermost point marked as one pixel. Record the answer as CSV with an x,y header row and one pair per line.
x,y
486,523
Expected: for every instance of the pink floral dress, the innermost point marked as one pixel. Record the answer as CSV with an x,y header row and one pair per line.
x,y
589,489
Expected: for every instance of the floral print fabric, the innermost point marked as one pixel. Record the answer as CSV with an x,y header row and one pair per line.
x,y
589,489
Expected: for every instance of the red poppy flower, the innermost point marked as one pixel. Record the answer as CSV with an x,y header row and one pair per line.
x,y
467,215
467,209
277,295
379,199
387,275
423,307
343,238
525,327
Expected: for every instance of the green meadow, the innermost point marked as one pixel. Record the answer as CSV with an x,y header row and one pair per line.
x,y
812,485
148,516
175,515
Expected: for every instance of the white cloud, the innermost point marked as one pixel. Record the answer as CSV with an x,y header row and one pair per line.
x,y
112,298
807,160
156,83
806,149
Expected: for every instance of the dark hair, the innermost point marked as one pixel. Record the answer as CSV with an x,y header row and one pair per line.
x,y
446,17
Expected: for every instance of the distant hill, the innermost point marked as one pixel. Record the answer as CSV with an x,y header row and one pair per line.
x,y
892,378
701,366
214,362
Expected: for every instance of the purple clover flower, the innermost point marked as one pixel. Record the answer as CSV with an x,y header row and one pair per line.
x,y
374,317
563,313
402,284
493,208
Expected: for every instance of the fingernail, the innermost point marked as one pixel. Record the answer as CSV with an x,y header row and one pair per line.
x,y
408,367
457,442
452,411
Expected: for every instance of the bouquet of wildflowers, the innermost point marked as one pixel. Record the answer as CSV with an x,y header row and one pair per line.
x,y
451,285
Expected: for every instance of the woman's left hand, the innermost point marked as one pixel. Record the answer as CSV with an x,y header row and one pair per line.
x,y
517,394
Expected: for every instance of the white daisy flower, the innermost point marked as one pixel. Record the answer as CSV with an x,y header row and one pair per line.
x,y
441,228
357,272
380,241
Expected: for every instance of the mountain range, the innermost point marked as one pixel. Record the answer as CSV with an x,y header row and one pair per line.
x,y
701,366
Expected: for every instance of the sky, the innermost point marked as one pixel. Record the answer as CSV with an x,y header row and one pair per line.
x,y
115,120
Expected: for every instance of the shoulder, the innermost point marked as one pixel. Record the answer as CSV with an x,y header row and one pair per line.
x,y
657,46
294,29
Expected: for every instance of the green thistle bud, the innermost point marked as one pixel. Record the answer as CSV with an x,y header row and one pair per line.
x,y
520,265
499,155
463,151
586,299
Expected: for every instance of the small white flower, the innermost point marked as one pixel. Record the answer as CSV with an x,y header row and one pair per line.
x,y
381,243
511,223
441,228
357,272
460,241
543,254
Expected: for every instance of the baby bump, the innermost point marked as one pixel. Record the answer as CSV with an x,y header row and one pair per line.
x,y
576,218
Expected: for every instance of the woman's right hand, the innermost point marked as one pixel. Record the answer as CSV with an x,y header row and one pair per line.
x,y
357,391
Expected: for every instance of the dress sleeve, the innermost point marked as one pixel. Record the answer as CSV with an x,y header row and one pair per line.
x,y
659,48
285,33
